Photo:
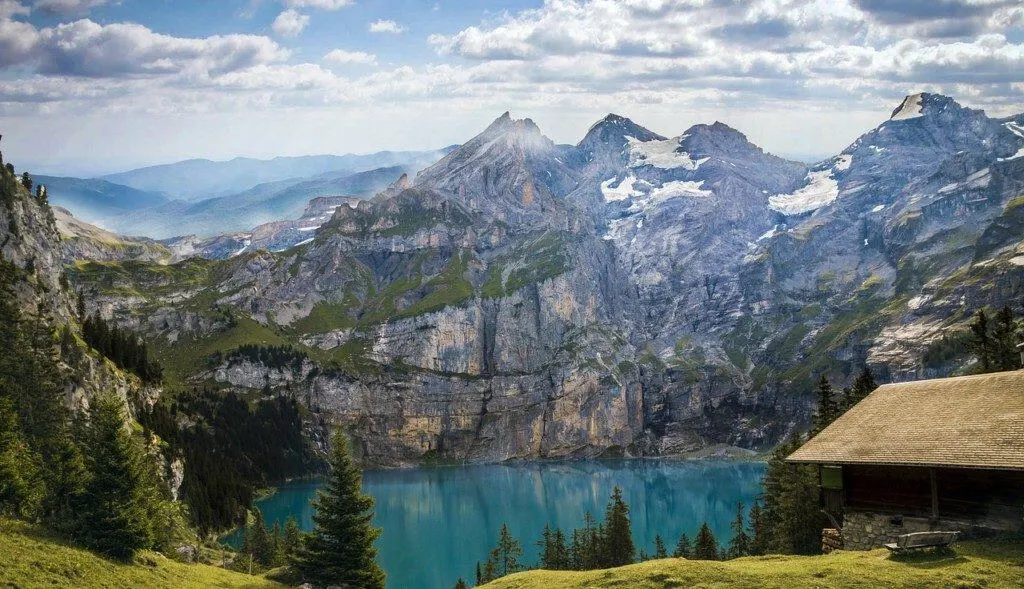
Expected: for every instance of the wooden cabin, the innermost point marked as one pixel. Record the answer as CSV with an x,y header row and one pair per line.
x,y
941,454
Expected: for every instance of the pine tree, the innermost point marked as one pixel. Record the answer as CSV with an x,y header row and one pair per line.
x,y
561,560
981,342
757,534
826,411
659,547
292,538
740,543
863,386
257,540
26,181
479,575
1004,341
21,485
114,518
276,545
549,557
66,488
684,548
705,547
340,549
790,513
460,584
618,549
509,552
491,566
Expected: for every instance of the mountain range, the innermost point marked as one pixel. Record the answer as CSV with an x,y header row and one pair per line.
x,y
210,198
633,294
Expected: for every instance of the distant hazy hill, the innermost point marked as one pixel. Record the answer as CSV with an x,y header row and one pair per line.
x,y
272,201
94,200
199,179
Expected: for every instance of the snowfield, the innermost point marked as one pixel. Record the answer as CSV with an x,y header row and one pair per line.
x,y
661,154
822,188
623,191
1019,132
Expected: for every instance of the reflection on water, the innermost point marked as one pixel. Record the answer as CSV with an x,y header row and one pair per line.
x,y
439,521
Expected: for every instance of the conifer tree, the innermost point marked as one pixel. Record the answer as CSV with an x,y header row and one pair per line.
x,y
115,520
554,554
491,566
757,532
257,538
509,552
340,549
460,584
705,547
684,548
292,538
618,549
981,342
21,485
826,410
863,386
790,512
1004,341
740,543
66,488
659,547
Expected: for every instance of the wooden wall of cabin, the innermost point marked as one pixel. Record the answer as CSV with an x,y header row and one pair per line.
x,y
985,497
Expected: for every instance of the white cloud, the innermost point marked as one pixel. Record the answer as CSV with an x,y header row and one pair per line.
x,y
65,7
755,65
321,4
290,23
340,56
85,48
386,26
11,8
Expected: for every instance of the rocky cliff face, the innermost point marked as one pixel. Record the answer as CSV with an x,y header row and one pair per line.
x,y
628,295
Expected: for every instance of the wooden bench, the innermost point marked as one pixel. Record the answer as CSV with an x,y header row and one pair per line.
x,y
920,540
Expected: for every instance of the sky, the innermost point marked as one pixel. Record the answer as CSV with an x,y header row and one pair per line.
x,y
96,86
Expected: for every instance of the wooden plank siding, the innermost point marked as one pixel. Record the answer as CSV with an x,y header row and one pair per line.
x,y
981,496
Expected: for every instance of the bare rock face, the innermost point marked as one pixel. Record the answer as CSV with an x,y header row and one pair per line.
x,y
630,295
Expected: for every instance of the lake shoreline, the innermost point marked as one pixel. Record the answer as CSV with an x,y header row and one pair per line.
x,y
430,514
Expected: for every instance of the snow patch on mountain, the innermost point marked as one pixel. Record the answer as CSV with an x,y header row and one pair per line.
x,y
910,109
677,189
769,234
821,189
621,191
661,154
843,162
1019,132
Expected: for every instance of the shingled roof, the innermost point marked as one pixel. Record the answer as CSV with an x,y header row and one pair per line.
x,y
965,422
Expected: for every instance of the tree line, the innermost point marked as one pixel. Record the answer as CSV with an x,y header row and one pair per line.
x,y
271,356
994,341
122,347
610,544
232,447
89,477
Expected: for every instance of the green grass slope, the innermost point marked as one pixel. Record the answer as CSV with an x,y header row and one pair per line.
x,y
974,565
31,557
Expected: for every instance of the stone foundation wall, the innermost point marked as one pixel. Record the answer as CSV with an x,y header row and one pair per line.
x,y
863,530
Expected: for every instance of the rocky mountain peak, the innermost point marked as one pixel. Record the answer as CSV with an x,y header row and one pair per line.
x,y
924,104
613,131
718,140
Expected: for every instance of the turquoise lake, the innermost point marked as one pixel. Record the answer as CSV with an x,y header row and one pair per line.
x,y
438,522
